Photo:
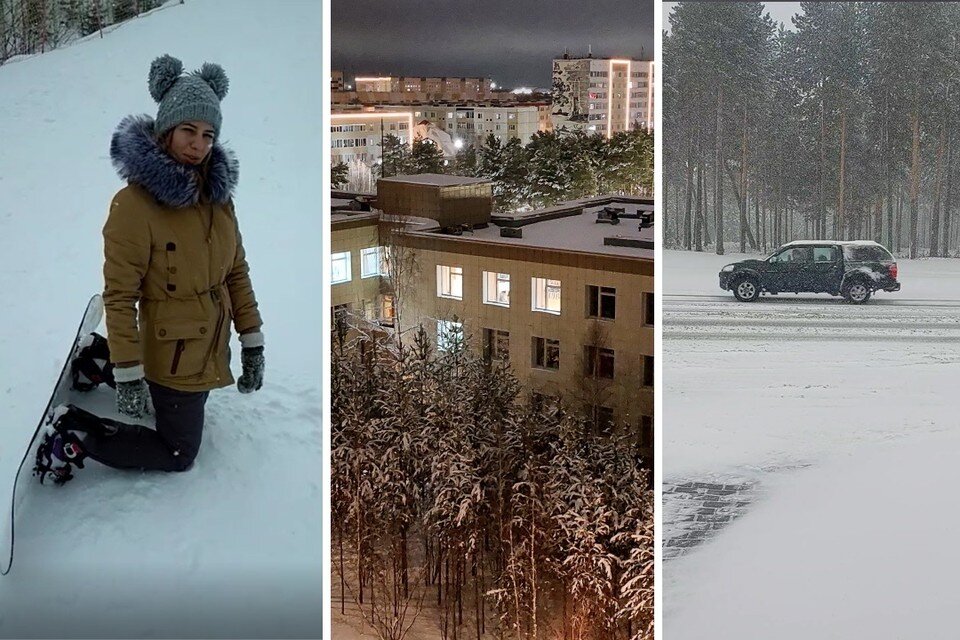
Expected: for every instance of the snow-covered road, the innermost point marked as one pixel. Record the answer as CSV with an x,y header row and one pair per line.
x,y
810,318
792,405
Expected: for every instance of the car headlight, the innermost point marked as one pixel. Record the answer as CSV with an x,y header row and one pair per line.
x,y
729,267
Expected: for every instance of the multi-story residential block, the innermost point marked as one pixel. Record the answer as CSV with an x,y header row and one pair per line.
x,y
565,294
602,95
336,81
357,134
435,88
472,123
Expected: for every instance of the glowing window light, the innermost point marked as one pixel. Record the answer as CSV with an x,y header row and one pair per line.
x,y
626,125
381,116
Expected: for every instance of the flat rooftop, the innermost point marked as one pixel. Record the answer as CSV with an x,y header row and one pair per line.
x,y
559,228
435,179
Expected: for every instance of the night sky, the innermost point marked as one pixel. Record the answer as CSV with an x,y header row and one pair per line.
x,y
510,41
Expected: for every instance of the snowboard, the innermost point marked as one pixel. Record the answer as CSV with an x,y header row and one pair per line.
x,y
90,321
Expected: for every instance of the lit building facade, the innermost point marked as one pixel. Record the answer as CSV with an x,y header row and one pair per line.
x,y
435,88
603,95
566,300
471,124
357,134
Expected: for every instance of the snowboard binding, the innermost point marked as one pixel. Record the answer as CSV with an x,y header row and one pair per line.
x,y
92,366
56,448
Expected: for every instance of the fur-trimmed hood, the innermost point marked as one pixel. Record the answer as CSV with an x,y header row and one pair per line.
x,y
139,159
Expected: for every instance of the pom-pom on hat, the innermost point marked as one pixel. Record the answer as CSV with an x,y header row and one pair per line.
x,y
182,98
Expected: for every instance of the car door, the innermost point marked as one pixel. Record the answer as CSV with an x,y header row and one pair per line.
x,y
826,271
787,269
775,270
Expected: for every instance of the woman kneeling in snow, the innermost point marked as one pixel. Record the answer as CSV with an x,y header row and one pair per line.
x,y
172,247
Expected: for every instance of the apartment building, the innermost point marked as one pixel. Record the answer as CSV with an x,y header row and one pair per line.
x,y
435,88
602,95
565,294
336,80
472,123
356,134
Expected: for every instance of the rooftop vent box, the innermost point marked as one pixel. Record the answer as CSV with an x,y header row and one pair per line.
x,y
610,215
646,219
511,232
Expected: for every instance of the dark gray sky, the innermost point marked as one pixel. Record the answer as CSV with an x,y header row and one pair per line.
x,y
511,41
782,12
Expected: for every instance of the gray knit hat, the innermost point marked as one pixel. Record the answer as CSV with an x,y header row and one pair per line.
x,y
195,96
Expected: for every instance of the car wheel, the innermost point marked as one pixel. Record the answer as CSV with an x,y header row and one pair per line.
x,y
746,289
856,291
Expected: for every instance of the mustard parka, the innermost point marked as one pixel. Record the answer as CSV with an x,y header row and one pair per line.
x,y
173,250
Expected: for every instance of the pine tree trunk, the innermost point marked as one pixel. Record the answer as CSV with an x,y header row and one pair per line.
x,y
687,212
703,208
343,574
915,183
818,230
698,218
759,240
743,186
477,561
938,189
899,223
947,200
718,184
878,221
404,567
888,153
839,220
533,570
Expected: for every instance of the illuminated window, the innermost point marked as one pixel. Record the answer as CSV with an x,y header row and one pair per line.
x,y
546,295
340,267
449,282
449,335
496,288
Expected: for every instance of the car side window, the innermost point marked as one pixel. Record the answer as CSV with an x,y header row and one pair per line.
x,y
825,254
794,254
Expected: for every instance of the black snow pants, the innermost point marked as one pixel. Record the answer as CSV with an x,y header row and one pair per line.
x,y
171,447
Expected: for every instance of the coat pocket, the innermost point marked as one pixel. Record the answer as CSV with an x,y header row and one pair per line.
x,y
184,346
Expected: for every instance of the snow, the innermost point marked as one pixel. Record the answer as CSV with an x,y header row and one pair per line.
x,y
231,548
809,457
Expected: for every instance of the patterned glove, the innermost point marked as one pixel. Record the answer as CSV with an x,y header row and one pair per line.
x,y
132,392
251,357
252,378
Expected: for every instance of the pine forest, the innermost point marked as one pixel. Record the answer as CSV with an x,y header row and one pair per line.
x,y
553,167
36,26
842,127
459,507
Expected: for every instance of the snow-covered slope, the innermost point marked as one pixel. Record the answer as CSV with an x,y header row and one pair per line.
x,y
231,548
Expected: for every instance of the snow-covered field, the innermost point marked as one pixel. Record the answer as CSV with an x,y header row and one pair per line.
x,y
809,458
233,547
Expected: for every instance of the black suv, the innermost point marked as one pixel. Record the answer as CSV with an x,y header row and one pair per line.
x,y
852,269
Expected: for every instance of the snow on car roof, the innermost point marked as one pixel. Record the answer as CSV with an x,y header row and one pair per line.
x,y
800,243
